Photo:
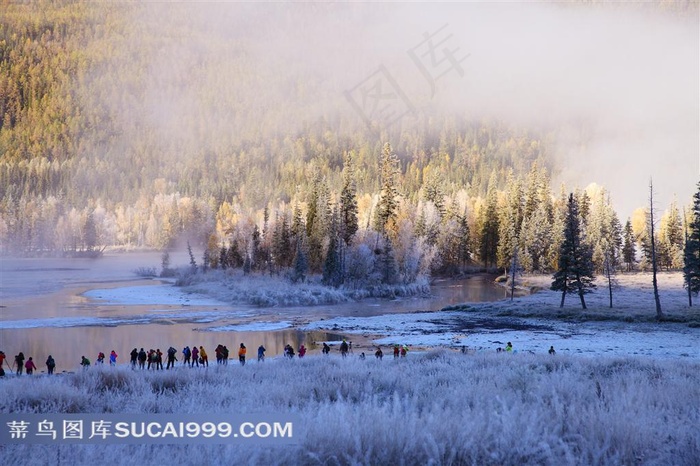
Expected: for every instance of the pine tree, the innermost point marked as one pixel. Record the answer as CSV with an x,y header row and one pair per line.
x,y
387,262
389,195
193,262
628,249
488,247
223,258
575,271
691,251
301,265
348,202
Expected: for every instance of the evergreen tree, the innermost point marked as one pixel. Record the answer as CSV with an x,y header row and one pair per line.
x,y
691,251
256,262
332,272
387,262
389,194
223,258
629,250
90,232
234,259
193,262
488,248
575,271
348,202
301,265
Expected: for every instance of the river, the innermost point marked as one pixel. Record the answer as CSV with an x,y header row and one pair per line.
x,y
43,310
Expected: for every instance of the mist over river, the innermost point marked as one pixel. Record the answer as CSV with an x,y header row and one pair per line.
x,y
44,311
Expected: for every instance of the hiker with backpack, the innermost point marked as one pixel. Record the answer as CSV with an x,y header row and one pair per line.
x,y
134,357
344,349
326,349
113,358
50,364
100,358
19,362
187,356
142,359
261,353
203,358
159,359
171,358
302,351
379,354
85,362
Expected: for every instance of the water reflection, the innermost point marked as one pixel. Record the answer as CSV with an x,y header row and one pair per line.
x,y
67,345
28,290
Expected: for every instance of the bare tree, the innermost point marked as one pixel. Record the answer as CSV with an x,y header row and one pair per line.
x,y
659,312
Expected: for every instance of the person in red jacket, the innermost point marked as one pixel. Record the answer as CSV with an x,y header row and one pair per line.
x,y
241,354
29,366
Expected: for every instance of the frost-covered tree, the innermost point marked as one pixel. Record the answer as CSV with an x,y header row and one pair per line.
x,y
691,251
671,239
387,262
301,264
511,220
389,194
575,271
488,246
348,202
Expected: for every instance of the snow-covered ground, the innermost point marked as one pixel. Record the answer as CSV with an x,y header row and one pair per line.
x,y
534,323
435,408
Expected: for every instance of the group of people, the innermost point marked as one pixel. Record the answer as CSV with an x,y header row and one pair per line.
x,y
20,365
195,356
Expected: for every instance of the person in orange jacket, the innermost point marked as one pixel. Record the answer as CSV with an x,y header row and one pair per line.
x,y
203,356
241,354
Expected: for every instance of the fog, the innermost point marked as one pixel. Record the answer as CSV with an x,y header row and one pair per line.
x,y
618,84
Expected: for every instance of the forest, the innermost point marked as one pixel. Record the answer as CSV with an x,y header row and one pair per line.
x,y
111,136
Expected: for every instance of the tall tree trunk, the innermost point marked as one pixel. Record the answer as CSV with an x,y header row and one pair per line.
x,y
580,291
563,295
659,312
512,272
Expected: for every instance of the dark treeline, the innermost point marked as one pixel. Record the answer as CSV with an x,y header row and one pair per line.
x,y
112,136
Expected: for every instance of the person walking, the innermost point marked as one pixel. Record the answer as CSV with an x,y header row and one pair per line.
x,y
113,358
344,349
379,354
187,356
509,347
134,357
85,362
203,356
19,362
29,366
326,349
551,351
142,359
171,358
241,354
302,351
159,359
261,353
195,356
50,364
